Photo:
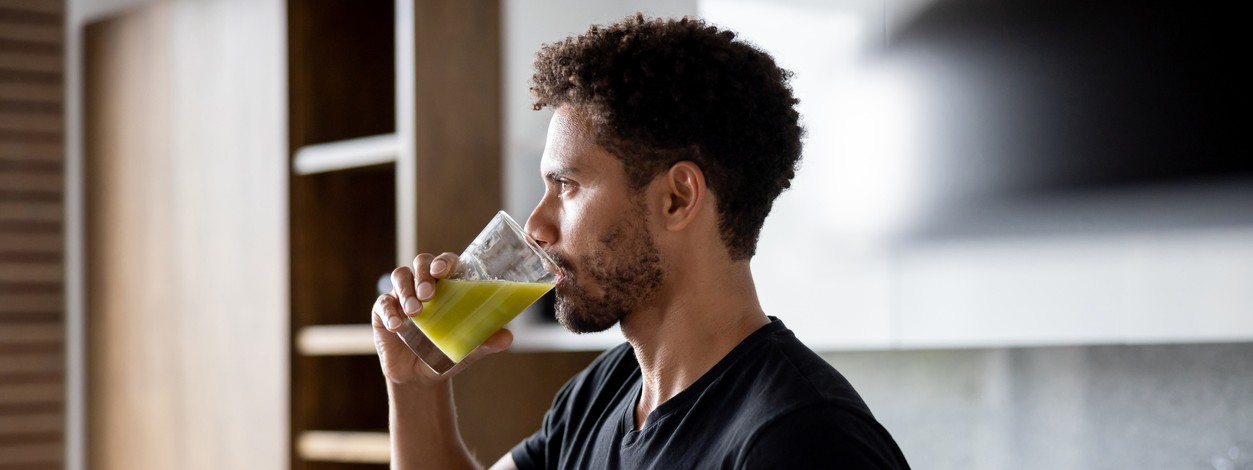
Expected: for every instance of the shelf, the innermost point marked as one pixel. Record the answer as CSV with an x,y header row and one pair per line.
x,y
346,154
534,336
351,340
336,340
344,446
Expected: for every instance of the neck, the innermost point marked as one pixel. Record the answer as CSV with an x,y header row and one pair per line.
x,y
688,327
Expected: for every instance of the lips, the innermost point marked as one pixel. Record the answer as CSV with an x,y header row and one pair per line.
x,y
561,269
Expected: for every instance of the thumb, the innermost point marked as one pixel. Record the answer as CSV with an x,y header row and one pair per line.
x,y
498,342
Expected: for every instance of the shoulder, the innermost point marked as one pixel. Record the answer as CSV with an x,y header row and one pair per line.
x,y
612,366
790,368
611,370
588,394
823,435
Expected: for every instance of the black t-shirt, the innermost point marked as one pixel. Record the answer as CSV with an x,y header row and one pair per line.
x,y
770,403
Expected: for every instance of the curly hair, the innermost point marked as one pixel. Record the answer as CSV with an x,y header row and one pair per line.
x,y
661,91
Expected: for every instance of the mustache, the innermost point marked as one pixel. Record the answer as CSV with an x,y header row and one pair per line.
x,y
560,260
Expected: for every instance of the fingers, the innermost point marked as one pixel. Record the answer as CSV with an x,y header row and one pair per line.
x,y
403,287
387,313
416,284
430,269
442,266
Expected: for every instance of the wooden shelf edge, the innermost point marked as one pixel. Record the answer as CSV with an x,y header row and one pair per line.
x,y
344,446
352,340
346,154
534,336
336,340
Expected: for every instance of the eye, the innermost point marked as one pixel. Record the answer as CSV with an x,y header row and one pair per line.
x,y
564,185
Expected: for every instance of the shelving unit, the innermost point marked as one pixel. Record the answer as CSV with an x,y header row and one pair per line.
x,y
346,154
342,131
395,127
344,447
335,340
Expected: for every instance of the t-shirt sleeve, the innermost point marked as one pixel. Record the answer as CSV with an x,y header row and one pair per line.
x,y
824,436
533,452
542,448
529,454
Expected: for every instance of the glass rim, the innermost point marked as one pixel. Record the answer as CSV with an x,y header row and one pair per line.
x,y
531,243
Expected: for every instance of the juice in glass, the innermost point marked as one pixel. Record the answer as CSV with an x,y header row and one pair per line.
x,y
463,314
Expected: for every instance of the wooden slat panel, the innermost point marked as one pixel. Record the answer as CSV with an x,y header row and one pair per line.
x,y
32,92
52,167
51,63
30,272
13,180
29,226
23,423
31,288
31,122
29,17
31,243
20,363
41,6
32,151
31,196
12,303
33,211
31,257
33,437
19,318
35,333
32,348
33,33
27,47
34,378
30,453
28,394
33,107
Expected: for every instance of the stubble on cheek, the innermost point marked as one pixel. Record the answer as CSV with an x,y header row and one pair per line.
x,y
626,267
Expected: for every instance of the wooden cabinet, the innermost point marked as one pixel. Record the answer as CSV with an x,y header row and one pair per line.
x,y
186,237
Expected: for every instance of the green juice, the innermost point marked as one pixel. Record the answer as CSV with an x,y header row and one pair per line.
x,y
463,314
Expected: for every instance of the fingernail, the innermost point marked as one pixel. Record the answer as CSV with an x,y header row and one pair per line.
x,y
425,290
412,304
393,323
438,266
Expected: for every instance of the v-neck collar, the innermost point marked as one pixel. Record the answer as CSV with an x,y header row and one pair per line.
x,y
684,398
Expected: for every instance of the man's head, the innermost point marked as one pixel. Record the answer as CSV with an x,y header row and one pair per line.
x,y
658,92
658,123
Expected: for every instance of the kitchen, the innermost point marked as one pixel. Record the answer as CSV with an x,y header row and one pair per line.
x,y
1076,313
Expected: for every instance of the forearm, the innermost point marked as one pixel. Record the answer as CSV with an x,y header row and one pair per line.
x,y
424,431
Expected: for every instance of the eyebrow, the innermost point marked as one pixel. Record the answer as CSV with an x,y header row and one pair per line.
x,y
560,172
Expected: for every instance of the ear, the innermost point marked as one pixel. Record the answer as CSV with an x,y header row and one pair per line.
x,y
685,194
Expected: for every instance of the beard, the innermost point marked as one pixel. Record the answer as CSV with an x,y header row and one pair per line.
x,y
625,264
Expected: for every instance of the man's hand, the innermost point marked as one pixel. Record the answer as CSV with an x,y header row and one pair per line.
x,y
420,403
410,287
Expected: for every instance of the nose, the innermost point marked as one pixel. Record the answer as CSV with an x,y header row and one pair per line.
x,y
541,225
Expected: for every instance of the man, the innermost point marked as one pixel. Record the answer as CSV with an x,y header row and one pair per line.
x,y
668,144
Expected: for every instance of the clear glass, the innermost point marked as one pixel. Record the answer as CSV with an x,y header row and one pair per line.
x,y
501,273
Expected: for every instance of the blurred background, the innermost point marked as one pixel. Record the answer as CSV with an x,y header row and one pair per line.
x,y
1023,230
